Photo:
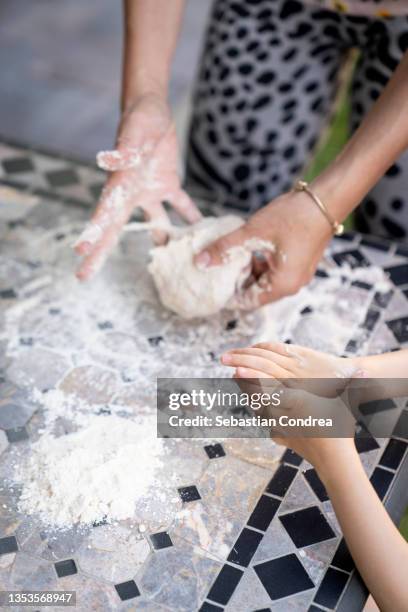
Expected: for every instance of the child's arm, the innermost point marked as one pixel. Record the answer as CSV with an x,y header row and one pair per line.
x,y
387,365
378,549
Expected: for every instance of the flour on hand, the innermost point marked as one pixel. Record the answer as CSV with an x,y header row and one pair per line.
x,y
192,292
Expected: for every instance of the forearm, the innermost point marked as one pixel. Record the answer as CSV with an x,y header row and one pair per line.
x,y
378,549
387,365
376,144
151,29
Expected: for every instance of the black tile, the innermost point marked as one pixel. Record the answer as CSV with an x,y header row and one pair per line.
x,y
361,285
8,294
371,319
313,608
214,451
354,258
62,178
316,484
283,576
189,494
307,526
231,324
245,547
374,243
161,540
8,545
96,190
209,607
281,480
321,274
105,325
402,250
365,443
331,588
342,558
289,456
382,299
263,513
17,434
263,610
65,568
225,584
18,164
381,480
401,428
127,590
155,340
306,310
393,454
376,406
398,274
347,236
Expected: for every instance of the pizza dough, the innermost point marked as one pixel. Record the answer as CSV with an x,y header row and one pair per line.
x,y
192,292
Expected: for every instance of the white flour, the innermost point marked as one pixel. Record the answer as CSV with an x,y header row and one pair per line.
x,y
99,347
102,471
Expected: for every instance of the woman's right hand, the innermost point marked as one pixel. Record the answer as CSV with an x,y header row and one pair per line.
x,y
144,173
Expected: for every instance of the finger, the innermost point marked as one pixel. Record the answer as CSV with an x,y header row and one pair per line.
x,y
121,158
270,287
94,261
280,359
157,213
185,206
113,205
242,372
215,253
281,348
254,362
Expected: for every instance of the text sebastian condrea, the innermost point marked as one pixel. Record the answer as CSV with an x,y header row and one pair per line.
x,y
254,421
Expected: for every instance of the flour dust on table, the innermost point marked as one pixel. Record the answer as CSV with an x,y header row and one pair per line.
x,y
87,356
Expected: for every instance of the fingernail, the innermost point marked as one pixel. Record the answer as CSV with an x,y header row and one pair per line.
x,y
203,260
226,359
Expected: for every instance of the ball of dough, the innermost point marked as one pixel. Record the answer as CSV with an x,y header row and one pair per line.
x,y
189,291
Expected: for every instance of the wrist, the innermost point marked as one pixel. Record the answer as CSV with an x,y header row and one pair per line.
x,y
143,86
339,465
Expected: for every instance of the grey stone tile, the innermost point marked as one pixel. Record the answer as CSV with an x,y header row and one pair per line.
x,y
262,452
178,577
232,483
249,595
90,383
209,526
31,573
37,368
296,603
299,495
317,557
112,553
275,543
91,594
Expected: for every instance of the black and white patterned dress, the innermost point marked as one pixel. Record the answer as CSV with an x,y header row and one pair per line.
x,y
266,83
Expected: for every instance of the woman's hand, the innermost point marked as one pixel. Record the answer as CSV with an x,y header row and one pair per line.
x,y
144,170
300,234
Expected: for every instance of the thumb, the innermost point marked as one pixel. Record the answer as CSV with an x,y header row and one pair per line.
x,y
215,253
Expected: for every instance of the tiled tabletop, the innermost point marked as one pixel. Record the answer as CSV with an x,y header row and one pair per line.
x,y
271,541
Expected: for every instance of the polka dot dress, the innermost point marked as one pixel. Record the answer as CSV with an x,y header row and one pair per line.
x,y
267,79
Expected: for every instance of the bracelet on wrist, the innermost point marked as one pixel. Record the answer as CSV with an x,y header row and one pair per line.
x,y
337,228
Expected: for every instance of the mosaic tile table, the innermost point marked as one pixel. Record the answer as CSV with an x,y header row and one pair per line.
x,y
272,541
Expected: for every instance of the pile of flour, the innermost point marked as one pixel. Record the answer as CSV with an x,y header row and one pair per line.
x,y
100,472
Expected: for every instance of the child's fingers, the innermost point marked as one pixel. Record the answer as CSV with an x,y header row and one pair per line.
x,y
254,362
276,347
242,372
279,360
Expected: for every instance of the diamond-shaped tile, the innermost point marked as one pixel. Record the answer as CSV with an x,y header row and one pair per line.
x,y
8,545
307,526
399,328
62,178
331,588
65,568
189,494
214,451
283,576
18,165
127,590
161,540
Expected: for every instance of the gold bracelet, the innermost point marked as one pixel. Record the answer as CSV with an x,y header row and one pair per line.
x,y
338,228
